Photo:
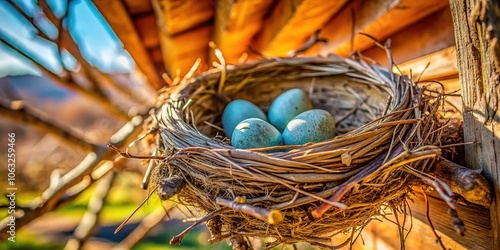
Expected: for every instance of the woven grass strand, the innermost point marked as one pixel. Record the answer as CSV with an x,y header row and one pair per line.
x,y
382,123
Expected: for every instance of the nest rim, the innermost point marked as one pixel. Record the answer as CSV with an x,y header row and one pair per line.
x,y
406,111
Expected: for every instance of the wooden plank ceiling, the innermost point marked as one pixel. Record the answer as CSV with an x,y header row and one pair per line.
x,y
168,36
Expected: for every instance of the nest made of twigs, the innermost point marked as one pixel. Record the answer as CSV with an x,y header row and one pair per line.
x,y
384,145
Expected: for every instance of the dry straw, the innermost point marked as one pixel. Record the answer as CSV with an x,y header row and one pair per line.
x,y
386,143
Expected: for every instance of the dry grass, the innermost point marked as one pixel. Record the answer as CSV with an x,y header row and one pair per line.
x,y
388,137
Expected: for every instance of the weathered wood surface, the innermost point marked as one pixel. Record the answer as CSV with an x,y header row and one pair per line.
x,y
437,65
235,25
398,16
338,29
176,17
478,234
119,20
431,34
380,19
477,32
185,30
293,22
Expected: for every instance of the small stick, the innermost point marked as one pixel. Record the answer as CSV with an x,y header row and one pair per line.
x,y
128,155
312,40
438,238
272,216
133,212
178,238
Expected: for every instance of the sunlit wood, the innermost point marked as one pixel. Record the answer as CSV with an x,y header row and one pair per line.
x,y
235,25
395,19
292,23
117,17
431,34
432,66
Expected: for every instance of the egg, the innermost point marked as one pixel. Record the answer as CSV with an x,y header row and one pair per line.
x,y
237,111
255,133
288,105
314,125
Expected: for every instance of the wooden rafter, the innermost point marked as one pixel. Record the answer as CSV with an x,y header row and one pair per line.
x,y
236,23
338,29
433,33
176,17
477,33
117,17
293,22
395,19
437,65
184,37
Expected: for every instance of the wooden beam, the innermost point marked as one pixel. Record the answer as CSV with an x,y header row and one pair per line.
x,y
185,31
181,51
292,23
433,33
116,15
436,65
395,19
147,31
235,25
175,16
135,7
338,30
478,51
478,234
385,234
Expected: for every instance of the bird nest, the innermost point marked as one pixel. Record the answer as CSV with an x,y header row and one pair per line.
x,y
385,144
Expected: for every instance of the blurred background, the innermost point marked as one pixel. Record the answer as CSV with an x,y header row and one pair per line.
x,y
76,74
54,77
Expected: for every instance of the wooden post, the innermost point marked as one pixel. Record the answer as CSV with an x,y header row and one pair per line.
x,y
477,34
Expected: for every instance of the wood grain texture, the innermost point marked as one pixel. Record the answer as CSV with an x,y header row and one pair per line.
x,y
235,25
440,64
395,19
184,37
175,16
338,30
116,15
181,51
478,234
292,23
431,34
476,31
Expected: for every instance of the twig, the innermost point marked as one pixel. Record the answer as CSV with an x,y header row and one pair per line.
x,y
23,114
178,238
427,213
91,219
66,41
145,226
135,210
128,155
102,101
314,39
30,19
271,216
55,196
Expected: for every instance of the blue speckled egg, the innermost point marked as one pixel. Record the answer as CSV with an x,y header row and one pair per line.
x,y
314,125
255,133
288,105
237,111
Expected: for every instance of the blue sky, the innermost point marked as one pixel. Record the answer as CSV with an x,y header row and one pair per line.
x,y
98,43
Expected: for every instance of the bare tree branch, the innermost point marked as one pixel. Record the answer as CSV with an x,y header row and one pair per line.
x,y
66,41
101,100
19,112
30,19
144,227
56,194
91,219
